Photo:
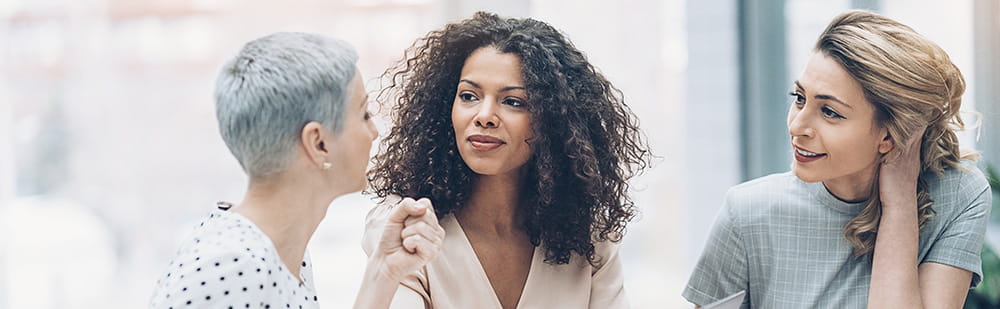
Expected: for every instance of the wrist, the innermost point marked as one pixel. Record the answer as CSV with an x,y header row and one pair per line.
x,y
891,207
377,271
904,198
377,286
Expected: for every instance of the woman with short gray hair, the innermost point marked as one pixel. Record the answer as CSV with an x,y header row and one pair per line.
x,y
293,111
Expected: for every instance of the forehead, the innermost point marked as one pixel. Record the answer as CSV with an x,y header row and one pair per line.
x,y
824,75
487,65
357,90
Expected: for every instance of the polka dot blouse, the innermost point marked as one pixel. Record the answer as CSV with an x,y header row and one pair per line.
x,y
230,263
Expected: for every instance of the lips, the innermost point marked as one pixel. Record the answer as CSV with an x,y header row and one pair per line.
x,y
485,142
805,156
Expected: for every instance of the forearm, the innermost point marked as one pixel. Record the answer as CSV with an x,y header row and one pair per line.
x,y
377,287
895,281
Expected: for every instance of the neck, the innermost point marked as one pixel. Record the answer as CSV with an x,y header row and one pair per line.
x,y
493,205
853,188
288,210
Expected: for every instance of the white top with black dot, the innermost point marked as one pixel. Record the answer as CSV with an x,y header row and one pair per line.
x,y
230,263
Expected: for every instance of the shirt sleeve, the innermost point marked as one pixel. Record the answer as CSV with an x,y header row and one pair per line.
x,y
961,242
607,288
374,225
722,268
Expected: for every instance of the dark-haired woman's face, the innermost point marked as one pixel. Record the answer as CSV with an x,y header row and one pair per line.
x,y
490,114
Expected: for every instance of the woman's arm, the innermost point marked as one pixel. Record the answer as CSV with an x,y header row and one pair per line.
x,y
378,290
897,280
377,287
943,286
411,238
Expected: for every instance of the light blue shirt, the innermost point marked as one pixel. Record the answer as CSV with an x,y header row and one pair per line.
x,y
782,240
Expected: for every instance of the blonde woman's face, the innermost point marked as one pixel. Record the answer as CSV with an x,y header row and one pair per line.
x,y
833,131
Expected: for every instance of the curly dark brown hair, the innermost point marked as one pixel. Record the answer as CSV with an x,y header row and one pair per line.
x,y
586,143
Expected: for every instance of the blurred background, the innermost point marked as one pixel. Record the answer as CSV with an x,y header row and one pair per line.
x,y
109,152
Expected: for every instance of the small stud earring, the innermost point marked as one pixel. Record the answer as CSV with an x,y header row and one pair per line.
x,y
327,165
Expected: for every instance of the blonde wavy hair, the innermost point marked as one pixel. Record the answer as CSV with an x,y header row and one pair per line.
x,y
912,83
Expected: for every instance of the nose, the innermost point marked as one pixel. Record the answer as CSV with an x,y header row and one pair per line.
x,y
486,116
799,123
372,130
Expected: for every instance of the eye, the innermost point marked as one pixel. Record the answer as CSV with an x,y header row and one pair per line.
x,y
830,113
368,115
513,102
465,96
797,98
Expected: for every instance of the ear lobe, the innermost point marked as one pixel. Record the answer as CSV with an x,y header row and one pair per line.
x,y
313,141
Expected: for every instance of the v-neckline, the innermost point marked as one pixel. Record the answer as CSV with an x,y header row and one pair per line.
x,y
482,271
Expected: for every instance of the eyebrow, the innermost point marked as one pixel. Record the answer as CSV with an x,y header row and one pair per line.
x,y
823,96
504,89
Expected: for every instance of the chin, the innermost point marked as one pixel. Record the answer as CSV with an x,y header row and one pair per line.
x,y
487,167
483,170
805,175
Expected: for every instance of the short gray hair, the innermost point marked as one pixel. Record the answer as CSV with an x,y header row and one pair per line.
x,y
275,86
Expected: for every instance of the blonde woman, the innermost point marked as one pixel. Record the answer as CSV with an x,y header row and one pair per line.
x,y
880,208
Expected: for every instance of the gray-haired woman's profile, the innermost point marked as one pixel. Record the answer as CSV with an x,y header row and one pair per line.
x,y
292,109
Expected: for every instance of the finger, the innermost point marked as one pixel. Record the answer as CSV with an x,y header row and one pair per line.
x,y
422,247
430,209
429,220
916,136
424,230
410,243
413,208
400,212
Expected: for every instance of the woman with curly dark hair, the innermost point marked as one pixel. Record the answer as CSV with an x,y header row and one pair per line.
x,y
525,150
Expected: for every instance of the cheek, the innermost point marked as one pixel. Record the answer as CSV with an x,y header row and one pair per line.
x,y
857,146
791,115
523,131
521,126
456,117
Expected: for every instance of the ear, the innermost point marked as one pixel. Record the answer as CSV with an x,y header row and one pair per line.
x,y
886,144
315,143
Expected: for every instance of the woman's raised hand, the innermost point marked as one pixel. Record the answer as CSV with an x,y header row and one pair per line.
x,y
898,175
410,239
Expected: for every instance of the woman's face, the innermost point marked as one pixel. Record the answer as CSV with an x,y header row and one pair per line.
x,y
832,125
490,114
352,145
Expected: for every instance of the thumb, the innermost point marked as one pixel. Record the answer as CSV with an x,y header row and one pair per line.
x,y
416,209
408,207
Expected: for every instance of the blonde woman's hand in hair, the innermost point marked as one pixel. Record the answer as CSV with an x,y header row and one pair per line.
x,y
898,280
898,174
